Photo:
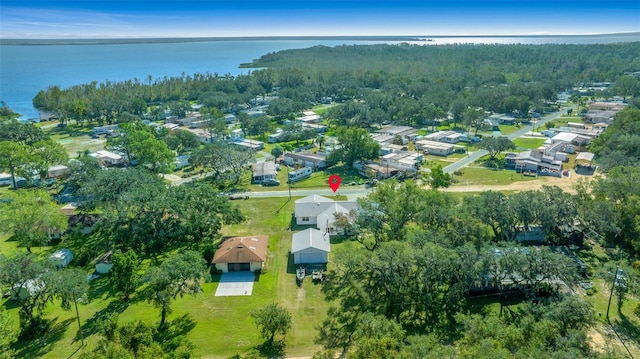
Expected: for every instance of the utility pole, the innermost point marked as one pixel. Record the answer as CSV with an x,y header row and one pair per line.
x,y
289,182
615,281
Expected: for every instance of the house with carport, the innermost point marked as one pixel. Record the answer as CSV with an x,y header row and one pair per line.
x,y
310,246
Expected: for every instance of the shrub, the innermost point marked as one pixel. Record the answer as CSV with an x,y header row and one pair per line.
x,y
592,291
637,310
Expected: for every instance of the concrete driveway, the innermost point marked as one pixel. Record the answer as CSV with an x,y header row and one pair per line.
x,y
235,284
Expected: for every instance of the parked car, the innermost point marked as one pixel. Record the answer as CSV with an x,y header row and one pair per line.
x,y
270,182
236,196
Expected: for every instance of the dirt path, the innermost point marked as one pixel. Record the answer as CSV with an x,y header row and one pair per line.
x,y
566,184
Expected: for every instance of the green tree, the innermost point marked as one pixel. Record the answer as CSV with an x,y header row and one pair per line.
x,y
45,154
138,143
8,335
33,284
224,161
22,133
32,217
354,144
438,178
72,287
473,117
123,276
276,152
271,320
496,145
178,275
182,141
13,157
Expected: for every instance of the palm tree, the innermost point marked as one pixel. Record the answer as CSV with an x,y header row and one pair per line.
x,y
320,140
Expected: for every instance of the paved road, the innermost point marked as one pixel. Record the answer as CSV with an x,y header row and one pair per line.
x,y
474,156
350,192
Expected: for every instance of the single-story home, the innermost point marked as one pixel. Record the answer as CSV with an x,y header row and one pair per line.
x,y
103,263
405,160
306,159
434,148
62,257
254,145
57,171
405,132
446,136
108,158
241,254
532,234
263,171
310,246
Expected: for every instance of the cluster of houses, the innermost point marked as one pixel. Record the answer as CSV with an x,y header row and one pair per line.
x,y
602,112
309,246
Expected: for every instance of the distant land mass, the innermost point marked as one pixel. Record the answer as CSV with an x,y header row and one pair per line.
x,y
111,41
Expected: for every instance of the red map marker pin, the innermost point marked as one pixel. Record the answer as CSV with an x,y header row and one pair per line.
x,y
334,182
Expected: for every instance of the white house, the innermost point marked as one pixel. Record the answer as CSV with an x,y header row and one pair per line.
x,y
316,160
310,246
320,211
263,171
108,158
62,257
57,171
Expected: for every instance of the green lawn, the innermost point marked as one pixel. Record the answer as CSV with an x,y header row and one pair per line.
x,y
221,325
78,144
319,179
528,143
508,129
485,176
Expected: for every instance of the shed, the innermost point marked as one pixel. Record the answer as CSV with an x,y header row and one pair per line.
x,y
62,257
584,157
310,246
26,289
103,263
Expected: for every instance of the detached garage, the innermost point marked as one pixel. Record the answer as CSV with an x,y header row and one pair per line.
x,y
310,246
241,254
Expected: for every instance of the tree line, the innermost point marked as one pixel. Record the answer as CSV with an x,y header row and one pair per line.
x,y
407,84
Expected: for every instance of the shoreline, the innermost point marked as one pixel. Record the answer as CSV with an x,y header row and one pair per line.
x,y
633,36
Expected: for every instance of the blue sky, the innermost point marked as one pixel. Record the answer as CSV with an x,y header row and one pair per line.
x,y
229,18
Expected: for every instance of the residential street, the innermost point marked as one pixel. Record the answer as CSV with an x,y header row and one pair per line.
x,y
360,191
474,156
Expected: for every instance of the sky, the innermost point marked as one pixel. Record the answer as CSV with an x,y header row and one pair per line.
x,y
237,18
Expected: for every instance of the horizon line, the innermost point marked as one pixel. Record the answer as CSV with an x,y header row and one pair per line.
x,y
140,39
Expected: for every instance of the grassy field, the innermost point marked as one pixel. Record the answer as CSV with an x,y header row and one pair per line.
x,y
218,326
508,129
76,145
485,176
528,143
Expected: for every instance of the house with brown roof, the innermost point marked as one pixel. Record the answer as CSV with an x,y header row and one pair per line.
x,y
241,254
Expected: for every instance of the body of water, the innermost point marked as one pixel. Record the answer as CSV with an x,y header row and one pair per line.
x,y
27,69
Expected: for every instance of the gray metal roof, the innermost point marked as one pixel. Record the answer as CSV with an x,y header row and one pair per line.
x,y
310,238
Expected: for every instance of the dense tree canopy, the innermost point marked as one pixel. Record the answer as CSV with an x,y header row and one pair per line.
x,y
619,144
354,144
